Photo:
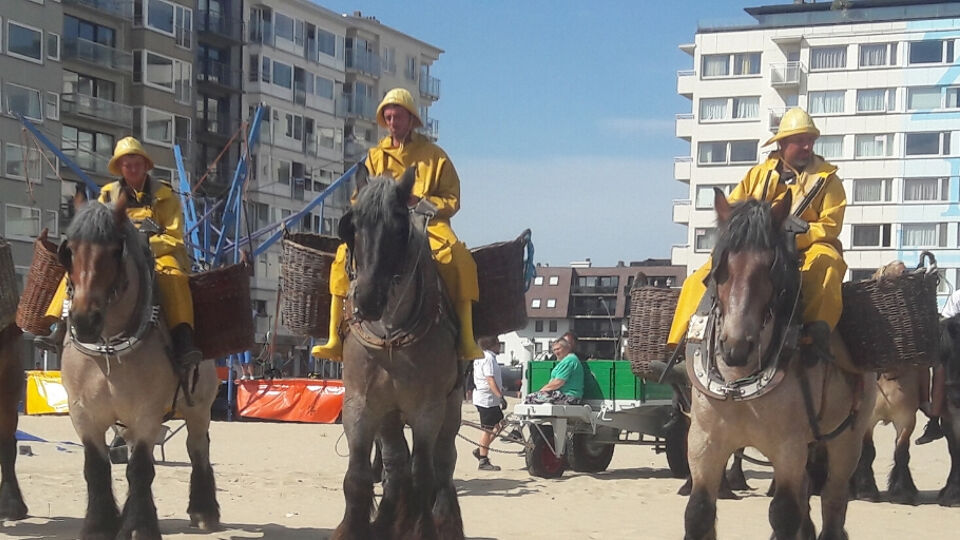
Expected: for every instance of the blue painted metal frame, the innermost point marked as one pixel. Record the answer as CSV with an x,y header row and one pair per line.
x,y
93,190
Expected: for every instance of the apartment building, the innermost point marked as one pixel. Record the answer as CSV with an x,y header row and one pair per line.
x,y
880,79
591,301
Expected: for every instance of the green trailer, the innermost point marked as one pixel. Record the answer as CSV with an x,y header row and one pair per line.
x,y
619,408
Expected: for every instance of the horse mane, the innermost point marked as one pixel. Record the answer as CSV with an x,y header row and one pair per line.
x,y
378,201
96,223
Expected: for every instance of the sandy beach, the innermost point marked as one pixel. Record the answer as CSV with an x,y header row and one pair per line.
x,y
283,481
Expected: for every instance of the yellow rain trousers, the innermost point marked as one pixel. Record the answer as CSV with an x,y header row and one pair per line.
x,y
823,268
171,255
438,182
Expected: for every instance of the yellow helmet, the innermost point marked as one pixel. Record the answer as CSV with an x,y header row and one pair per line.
x,y
401,97
794,122
125,147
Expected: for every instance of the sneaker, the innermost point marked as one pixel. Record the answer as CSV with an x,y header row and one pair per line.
x,y
931,432
476,454
485,465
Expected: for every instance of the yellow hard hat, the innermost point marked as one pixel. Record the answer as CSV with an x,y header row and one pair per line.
x,y
794,122
125,147
401,97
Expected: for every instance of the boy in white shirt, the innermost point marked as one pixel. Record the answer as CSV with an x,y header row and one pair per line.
x,y
488,398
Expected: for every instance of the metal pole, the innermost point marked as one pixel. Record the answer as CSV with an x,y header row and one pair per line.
x,y
230,388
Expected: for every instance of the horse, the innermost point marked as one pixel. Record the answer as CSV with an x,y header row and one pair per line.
x,y
950,419
751,385
117,369
11,389
400,366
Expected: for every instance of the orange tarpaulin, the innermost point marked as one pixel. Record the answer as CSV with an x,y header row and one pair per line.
x,y
291,400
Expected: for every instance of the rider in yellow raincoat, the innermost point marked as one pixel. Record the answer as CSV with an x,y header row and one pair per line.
x,y
796,168
436,181
149,199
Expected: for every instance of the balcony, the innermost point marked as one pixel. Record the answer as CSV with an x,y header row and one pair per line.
x,y
91,162
776,114
681,210
360,106
685,125
430,129
363,61
220,26
101,109
787,74
686,79
681,168
96,53
594,289
117,8
679,254
186,146
218,73
430,87
220,127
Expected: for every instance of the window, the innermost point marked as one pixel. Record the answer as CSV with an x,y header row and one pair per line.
x,y
74,83
156,70
535,303
931,52
922,235
926,189
283,171
183,27
554,280
23,100
928,144
538,326
283,29
326,42
718,65
873,145
878,54
704,239
953,98
411,70
74,28
861,274
553,326
712,152
21,222
24,42
713,109
282,75
829,146
53,46
876,100
924,98
727,152
746,64
872,190
390,60
871,235
52,106
705,195
324,87
551,302
746,107
743,151
157,126
160,16
162,173
741,108
538,280
824,58
826,102
13,164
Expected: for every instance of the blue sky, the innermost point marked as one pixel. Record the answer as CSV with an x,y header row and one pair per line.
x,y
559,116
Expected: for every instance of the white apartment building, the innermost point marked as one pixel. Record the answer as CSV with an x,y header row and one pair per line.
x,y
881,79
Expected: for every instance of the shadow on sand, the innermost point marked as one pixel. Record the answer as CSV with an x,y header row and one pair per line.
x,y
500,487
64,528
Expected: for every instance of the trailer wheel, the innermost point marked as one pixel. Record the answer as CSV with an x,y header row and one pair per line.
x,y
585,455
676,448
541,461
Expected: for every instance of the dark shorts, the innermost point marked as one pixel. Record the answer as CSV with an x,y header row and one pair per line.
x,y
489,416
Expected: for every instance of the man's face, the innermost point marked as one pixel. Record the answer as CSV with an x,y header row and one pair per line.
x,y
399,121
134,169
798,150
560,350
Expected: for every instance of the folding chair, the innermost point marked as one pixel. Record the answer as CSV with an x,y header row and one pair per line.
x,y
120,453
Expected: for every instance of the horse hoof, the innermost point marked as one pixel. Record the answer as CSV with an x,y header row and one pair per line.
x,y
728,495
146,535
14,511
949,496
909,498
205,523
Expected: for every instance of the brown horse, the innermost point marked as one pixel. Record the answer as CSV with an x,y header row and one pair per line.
x,y
399,366
11,389
950,420
116,368
752,387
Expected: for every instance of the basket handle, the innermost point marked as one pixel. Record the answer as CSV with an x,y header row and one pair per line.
x,y
931,267
529,270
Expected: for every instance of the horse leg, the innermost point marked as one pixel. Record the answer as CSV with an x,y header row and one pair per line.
x,y
844,453
900,486
863,484
139,517
950,494
707,463
735,477
360,427
789,510
394,456
102,520
11,388
203,509
426,423
446,509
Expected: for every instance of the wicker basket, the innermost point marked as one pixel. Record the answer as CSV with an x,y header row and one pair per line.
x,y
8,285
501,275
222,312
305,283
891,322
651,314
43,279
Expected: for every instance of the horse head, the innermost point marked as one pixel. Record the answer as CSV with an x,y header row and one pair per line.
x,y
93,255
756,280
377,232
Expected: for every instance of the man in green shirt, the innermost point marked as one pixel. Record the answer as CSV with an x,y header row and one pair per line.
x,y
566,379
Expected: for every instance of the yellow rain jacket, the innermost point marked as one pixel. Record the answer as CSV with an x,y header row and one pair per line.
x,y
171,255
438,182
823,268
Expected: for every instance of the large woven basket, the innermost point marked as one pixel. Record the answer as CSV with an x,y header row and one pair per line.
x,y
305,282
43,279
8,285
222,312
501,272
651,314
891,322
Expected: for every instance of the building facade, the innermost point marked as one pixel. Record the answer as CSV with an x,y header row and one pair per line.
x,y
880,81
591,301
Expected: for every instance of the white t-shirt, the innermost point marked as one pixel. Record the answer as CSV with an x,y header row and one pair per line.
x,y
483,368
953,305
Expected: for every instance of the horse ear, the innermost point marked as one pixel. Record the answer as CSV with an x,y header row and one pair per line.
x,y
79,199
345,229
120,208
721,205
64,255
781,209
407,180
361,176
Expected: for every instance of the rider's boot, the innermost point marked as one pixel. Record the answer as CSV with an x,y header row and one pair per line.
x,y
186,355
467,347
333,348
815,342
675,374
931,432
53,342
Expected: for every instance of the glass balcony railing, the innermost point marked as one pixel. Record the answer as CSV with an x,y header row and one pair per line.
x,y
102,109
594,289
786,74
215,23
117,8
97,53
363,61
430,87
218,73
360,106
88,161
431,128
